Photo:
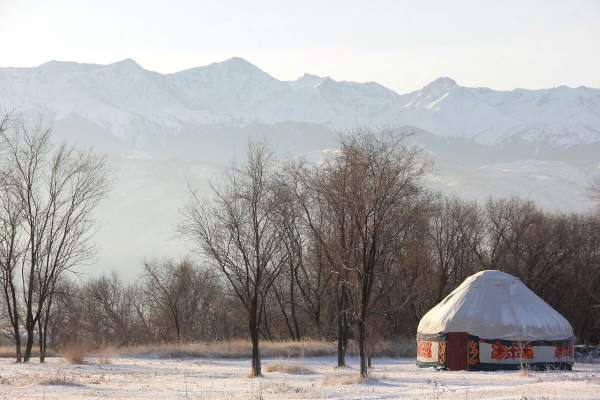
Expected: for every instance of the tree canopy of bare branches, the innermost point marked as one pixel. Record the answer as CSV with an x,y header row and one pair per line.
x,y
49,194
384,196
237,232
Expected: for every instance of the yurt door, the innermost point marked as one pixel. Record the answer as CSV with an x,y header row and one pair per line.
x,y
457,351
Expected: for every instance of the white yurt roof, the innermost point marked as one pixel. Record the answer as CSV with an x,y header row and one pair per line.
x,y
496,305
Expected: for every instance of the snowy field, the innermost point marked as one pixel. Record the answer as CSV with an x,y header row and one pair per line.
x,y
314,378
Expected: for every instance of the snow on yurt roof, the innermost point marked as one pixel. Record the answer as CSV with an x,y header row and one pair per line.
x,y
496,305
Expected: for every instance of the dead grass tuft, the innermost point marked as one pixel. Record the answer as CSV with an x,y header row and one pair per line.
x,y
250,376
333,380
352,380
287,366
60,380
105,354
74,351
349,376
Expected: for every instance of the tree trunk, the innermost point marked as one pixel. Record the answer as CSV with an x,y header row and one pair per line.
x,y
18,344
413,308
13,314
40,340
29,319
293,305
256,371
285,316
43,344
341,350
175,314
267,332
342,327
43,330
28,344
362,344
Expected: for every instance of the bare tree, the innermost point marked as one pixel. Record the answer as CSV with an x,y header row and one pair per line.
x,y
110,309
385,194
453,234
237,232
11,244
294,240
359,205
180,296
322,193
58,191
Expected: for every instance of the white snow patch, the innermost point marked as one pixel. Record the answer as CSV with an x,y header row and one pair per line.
x,y
135,378
431,105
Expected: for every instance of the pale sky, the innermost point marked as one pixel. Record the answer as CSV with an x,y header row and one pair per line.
x,y
400,44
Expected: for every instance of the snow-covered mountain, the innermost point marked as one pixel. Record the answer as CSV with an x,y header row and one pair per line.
x,y
163,131
158,114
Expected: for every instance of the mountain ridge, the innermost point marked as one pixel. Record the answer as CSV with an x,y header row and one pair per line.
x,y
162,132
306,73
147,110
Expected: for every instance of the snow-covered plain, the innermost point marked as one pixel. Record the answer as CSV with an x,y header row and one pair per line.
x,y
135,378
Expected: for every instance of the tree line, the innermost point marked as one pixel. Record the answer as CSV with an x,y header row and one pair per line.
x,y
351,247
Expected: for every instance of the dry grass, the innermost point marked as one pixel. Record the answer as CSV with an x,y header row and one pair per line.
x,y
287,366
234,349
74,351
10,352
396,349
60,380
237,349
105,354
393,349
342,379
351,378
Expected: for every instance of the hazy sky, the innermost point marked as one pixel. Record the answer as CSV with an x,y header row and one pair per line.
x,y
400,44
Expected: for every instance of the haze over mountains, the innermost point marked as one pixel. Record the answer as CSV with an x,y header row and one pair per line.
x,y
163,130
126,107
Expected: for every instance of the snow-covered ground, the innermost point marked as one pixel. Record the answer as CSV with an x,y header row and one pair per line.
x,y
137,378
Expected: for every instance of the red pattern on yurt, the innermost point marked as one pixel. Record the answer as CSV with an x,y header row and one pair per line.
x,y
502,352
424,349
564,351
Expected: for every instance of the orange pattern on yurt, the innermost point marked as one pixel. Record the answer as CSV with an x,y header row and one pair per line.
x,y
564,351
442,353
424,349
473,345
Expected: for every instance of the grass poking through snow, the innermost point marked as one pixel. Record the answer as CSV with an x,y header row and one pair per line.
x,y
287,366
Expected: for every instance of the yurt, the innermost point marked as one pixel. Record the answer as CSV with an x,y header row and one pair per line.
x,y
493,321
